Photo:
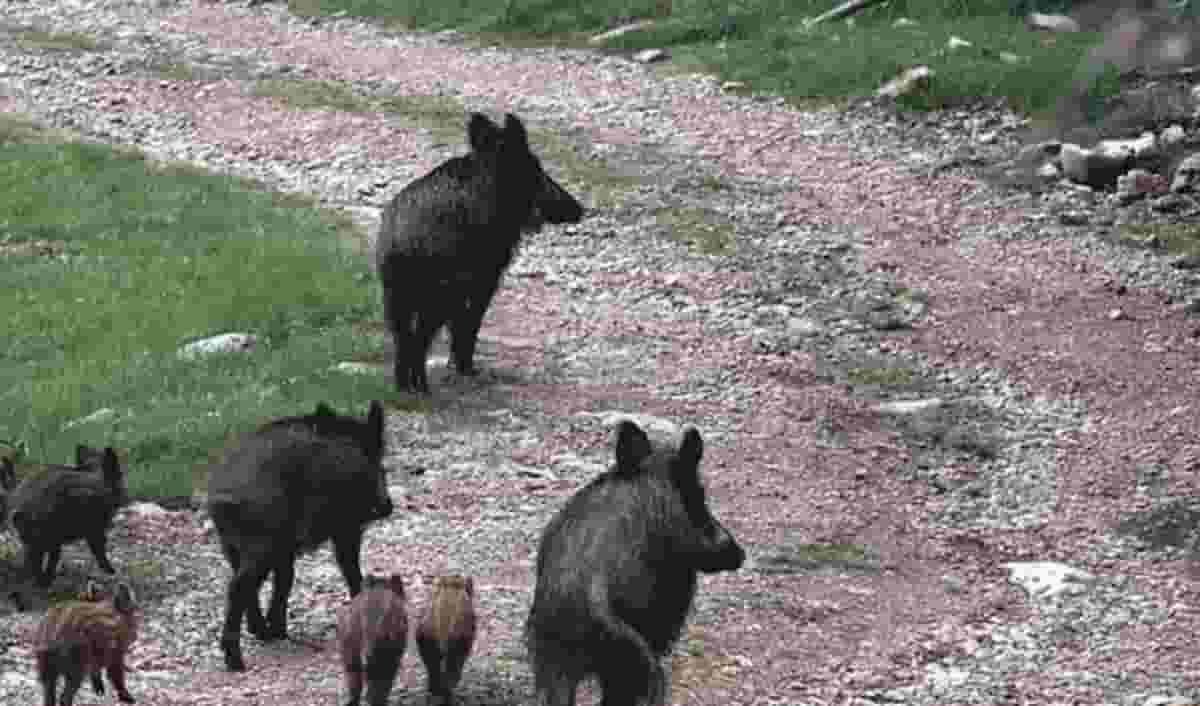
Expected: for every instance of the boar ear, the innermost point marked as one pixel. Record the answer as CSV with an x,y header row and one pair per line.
x,y
8,474
691,448
470,585
514,132
91,592
632,446
324,410
396,583
123,599
110,463
482,133
83,454
375,427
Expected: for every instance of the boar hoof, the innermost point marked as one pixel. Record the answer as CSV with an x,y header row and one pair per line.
x,y
233,655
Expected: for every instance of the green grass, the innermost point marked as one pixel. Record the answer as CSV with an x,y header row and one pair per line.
x,y
57,41
141,259
767,45
1169,238
880,376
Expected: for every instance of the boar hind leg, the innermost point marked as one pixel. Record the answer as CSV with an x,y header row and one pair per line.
x,y
34,564
353,665
431,655
116,676
74,676
254,615
242,593
383,663
284,576
98,543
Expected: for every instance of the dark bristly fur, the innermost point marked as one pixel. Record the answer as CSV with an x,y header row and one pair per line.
x,y
372,636
286,489
83,638
447,237
617,569
447,633
63,504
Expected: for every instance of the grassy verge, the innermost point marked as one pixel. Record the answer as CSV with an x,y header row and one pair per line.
x,y
109,263
766,45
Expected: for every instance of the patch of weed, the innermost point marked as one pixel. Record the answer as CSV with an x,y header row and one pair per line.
x,y
881,376
42,40
313,95
1169,238
707,232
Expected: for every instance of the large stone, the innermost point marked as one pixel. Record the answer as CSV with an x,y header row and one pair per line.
x,y
1187,175
1047,579
907,82
1137,148
1090,167
1051,23
223,343
621,31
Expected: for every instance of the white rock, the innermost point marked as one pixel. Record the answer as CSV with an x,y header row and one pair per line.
x,y
100,415
909,406
621,31
1011,58
1046,579
904,22
1049,170
907,82
803,326
1187,174
145,510
649,56
956,43
353,368
1090,167
1171,136
223,343
1142,146
1052,23
1169,701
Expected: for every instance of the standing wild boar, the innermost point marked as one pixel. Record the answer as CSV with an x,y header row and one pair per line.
x,y
62,504
83,638
447,237
446,634
286,489
617,569
372,635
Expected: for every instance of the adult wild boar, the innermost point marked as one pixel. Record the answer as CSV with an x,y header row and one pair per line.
x,y
616,572
447,237
286,489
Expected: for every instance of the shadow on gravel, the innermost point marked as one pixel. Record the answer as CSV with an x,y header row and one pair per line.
x,y
1175,525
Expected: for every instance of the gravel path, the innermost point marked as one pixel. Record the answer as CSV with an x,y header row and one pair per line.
x,y
778,278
